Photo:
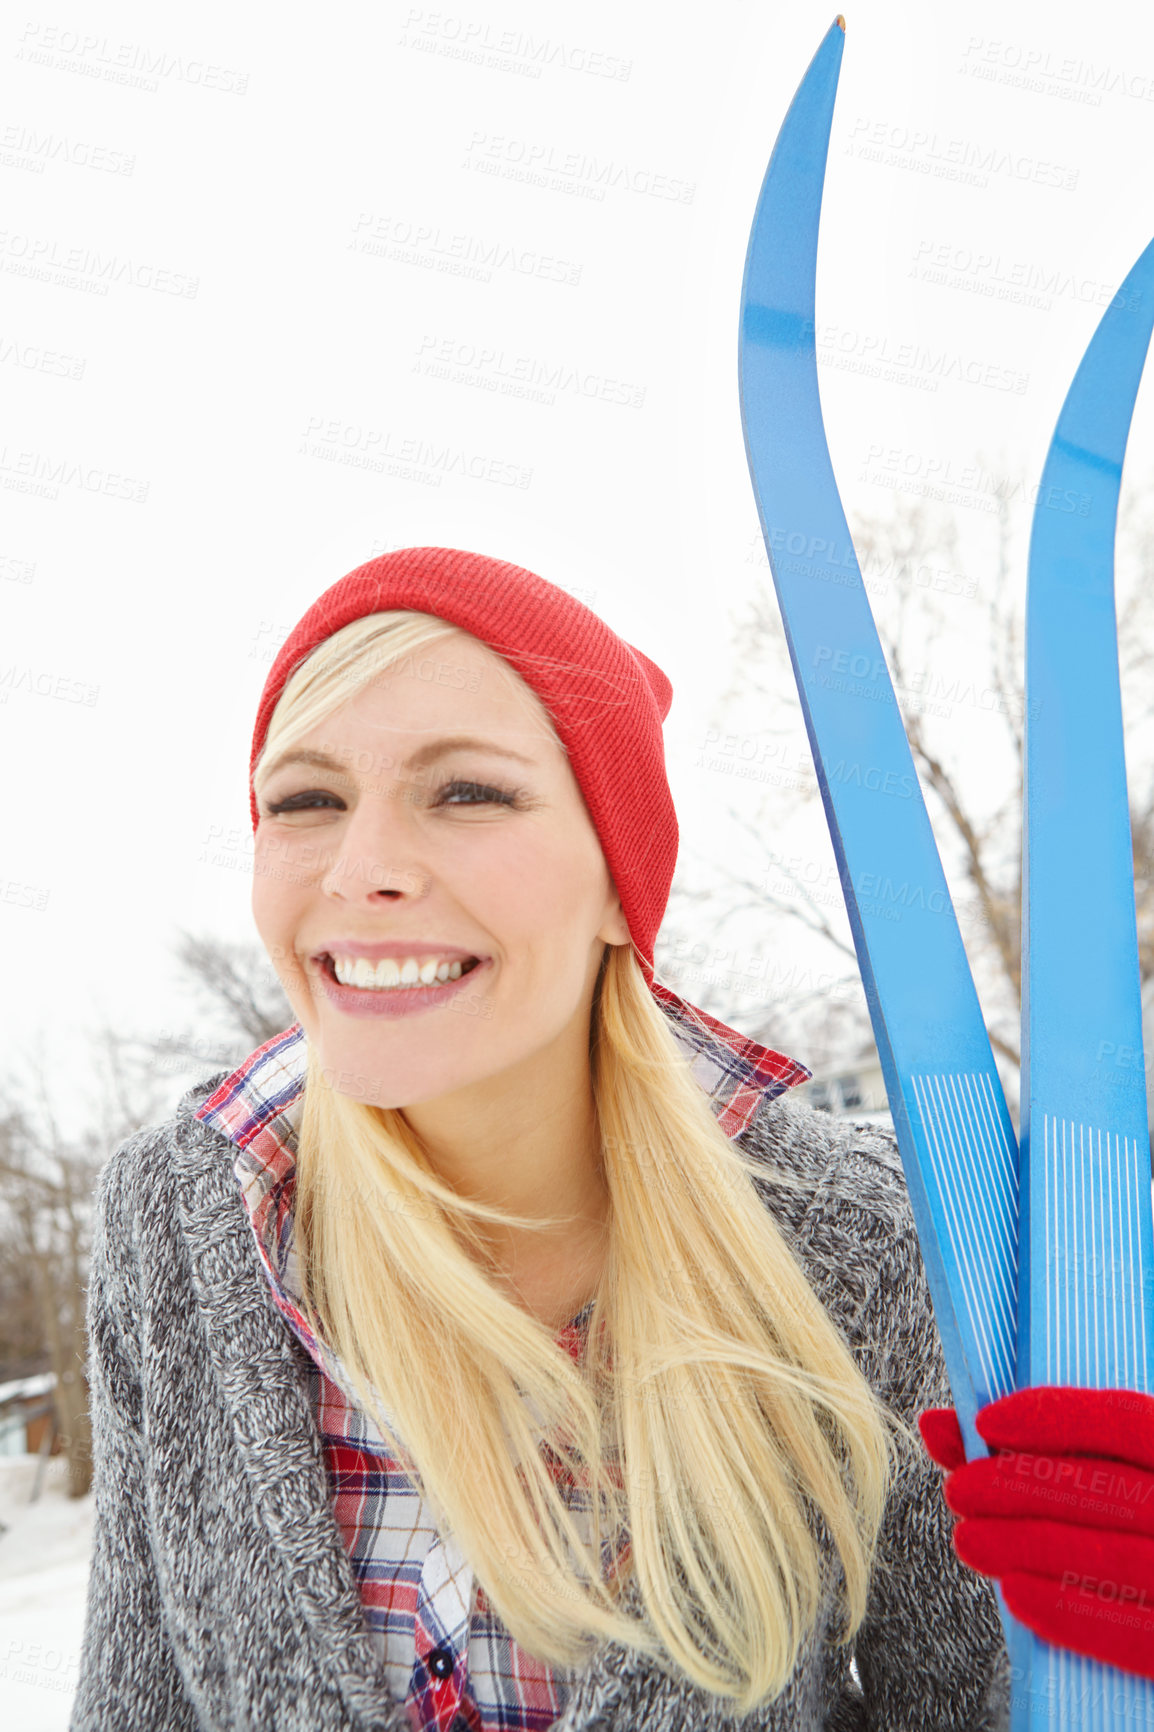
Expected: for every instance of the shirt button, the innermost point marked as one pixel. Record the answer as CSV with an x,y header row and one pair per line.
x,y
440,1662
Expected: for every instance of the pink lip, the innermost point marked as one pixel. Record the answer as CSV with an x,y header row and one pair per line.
x,y
398,1001
398,947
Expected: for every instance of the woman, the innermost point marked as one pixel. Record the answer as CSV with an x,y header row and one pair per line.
x,y
497,1347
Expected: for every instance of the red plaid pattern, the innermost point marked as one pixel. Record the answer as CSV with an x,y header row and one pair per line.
x,y
448,1657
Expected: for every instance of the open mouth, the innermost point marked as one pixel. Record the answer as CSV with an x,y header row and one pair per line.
x,y
391,974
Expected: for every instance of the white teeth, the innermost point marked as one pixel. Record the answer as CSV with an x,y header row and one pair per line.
x,y
394,971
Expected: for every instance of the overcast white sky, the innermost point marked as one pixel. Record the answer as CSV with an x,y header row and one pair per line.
x,y
232,243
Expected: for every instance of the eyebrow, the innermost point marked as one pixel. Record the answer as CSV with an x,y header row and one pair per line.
x,y
416,760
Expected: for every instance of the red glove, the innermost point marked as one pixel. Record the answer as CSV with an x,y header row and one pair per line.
x,y
1063,1514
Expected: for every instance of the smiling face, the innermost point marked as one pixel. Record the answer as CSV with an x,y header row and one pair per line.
x,y
386,843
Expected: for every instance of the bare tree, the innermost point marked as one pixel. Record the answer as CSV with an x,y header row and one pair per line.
x,y
21,1318
45,1203
951,625
47,1181
241,1005
236,983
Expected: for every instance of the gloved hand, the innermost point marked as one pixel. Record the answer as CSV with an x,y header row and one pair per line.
x,y
1062,1514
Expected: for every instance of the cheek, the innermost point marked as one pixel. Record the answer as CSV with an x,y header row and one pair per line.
x,y
547,887
275,907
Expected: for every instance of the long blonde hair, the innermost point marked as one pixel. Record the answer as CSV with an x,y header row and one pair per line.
x,y
719,1416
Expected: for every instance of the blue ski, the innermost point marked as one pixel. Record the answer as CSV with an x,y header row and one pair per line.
x,y
961,1162
1086,1311
949,1111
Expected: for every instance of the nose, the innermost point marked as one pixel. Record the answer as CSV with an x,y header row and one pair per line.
x,y
378,856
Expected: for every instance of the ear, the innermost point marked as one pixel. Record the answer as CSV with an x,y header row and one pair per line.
x,y
614,929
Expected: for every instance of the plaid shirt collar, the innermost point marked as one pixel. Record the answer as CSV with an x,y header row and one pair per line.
x,y
736,1073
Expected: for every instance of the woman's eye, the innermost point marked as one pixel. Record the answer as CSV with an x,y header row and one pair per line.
x,y
478,793
301,802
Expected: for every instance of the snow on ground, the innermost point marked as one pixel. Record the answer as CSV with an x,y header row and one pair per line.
x,y
44,1551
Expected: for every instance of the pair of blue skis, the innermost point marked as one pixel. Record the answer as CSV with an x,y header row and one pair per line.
x,y
1040,1260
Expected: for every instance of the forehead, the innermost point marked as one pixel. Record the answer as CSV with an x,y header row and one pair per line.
x,y
453,684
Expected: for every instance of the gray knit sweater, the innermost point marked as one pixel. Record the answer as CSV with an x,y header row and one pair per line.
x,y
221,1596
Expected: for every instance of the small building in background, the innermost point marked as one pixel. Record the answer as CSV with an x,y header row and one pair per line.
x,y
28,1416
854,1090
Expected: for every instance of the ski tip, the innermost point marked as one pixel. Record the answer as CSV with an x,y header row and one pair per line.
x,y
840,22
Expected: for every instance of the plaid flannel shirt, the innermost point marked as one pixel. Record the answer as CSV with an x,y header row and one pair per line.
x,y
447,1655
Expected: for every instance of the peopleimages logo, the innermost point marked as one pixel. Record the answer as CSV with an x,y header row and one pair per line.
x,y
34,359
874,888
544,163
910,363
46,685
130,63
26,147
962,159
84,267
386,452
873,778
474,257
1008,278
1028,67
485,44
490,368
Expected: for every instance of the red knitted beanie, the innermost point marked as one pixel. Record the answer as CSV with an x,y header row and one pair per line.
x,y
606,699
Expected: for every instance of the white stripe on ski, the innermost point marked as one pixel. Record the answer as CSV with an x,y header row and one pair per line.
x,y
1095,1327
964,1142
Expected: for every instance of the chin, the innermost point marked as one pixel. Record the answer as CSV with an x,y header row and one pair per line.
x,y
361,1077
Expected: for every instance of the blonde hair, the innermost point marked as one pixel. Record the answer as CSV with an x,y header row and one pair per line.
x,y
719,1415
